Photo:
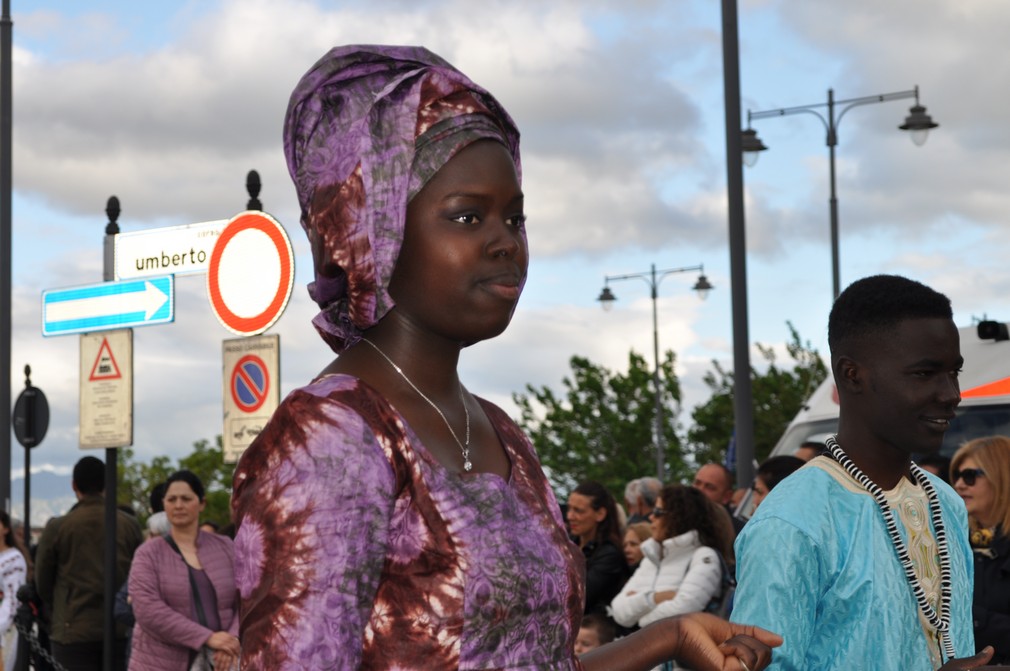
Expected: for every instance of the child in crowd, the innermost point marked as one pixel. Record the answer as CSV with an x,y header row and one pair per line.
x,y
594,631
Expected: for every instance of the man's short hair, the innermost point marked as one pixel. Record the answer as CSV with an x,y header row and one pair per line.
x,y
158,524
632,491
650,489
89,476
881,302
727,474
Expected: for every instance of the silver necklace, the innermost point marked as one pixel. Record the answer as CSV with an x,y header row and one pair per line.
x,y
939,621
463,447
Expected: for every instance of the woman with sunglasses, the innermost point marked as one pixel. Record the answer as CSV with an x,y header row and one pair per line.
x,y
682,569
980,472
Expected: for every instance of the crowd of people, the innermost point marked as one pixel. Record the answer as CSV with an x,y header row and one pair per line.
x,y
159,622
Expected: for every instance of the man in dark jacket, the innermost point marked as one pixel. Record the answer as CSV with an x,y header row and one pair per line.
x,y
70,576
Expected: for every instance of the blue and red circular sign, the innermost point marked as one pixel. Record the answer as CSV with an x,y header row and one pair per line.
x,y
250,383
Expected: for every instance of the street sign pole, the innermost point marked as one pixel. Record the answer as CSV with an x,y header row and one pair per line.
x,y
6,193
111,463
31,421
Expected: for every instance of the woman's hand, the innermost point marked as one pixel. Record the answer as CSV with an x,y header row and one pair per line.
x,y
974,662
709,643
660,597
225,661
222,641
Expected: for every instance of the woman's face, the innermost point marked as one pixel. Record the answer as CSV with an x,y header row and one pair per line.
x,y
656,520
582,519
979,497
760,491
632,548
464,257
182,505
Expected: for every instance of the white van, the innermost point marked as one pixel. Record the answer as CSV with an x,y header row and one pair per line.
x,y
985,396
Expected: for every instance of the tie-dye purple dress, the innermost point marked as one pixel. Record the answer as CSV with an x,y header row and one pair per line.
x,y
356,549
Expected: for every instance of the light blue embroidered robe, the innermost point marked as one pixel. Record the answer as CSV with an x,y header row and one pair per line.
x,y
815,564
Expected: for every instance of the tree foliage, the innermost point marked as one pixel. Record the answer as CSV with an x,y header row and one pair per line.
x,y
778,394
601,428
136,479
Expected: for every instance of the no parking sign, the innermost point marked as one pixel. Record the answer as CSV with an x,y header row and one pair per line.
x,y
251,392
250,383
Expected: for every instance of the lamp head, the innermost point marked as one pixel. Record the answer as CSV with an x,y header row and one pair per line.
x,y
919,124
606,298
702,286
750,146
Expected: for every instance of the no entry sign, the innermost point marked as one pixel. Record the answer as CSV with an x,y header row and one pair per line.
x,y
251,273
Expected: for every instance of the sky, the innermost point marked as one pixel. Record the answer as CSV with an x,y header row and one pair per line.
x,y
168,104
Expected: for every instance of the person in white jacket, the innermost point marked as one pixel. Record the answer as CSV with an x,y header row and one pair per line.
x,y
682,570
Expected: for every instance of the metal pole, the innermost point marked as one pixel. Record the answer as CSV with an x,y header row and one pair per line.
x,y
833,201
111,459
742,398
658,430
6,191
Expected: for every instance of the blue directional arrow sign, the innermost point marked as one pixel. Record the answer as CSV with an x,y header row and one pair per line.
x,y
109,305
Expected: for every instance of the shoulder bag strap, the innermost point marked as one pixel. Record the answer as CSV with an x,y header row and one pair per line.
x,y
192,581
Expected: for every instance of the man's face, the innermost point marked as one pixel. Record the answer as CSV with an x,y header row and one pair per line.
x,y
910,388
713,483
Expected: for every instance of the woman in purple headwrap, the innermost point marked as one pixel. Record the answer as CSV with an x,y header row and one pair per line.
x,y
388,518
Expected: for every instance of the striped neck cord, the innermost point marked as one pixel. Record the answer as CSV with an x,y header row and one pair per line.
x,y
939,621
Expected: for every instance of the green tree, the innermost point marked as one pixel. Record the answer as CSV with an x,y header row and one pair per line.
x,y
601,427
136,479
778,394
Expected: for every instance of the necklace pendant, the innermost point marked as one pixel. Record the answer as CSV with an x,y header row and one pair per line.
x,y
467,466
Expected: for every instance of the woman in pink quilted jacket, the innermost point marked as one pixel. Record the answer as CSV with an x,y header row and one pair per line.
x,y
182,586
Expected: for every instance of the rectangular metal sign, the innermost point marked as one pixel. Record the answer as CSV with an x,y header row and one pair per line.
x,y
251,389
108,305
106,389
172,250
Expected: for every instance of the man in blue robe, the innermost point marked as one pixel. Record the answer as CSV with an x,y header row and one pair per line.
x,y
860,559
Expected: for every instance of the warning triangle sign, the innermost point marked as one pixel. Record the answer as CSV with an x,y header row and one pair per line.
x,y
105,367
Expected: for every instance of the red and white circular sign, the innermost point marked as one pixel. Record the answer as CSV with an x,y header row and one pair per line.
x,y
251,273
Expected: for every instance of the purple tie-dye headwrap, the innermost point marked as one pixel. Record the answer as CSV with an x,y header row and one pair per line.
x,y
366,128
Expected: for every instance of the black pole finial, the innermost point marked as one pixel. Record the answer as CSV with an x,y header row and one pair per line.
x,y
28,376
253,185
112,210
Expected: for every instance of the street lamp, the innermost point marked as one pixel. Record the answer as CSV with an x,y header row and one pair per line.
x,y
918,123
653,278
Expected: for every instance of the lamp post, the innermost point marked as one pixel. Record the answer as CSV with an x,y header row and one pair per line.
x,y
653,278
918,123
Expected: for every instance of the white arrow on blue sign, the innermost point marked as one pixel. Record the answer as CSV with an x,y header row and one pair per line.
x,y
109,305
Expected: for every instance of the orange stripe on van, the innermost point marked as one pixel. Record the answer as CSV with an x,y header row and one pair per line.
x,y
997,388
